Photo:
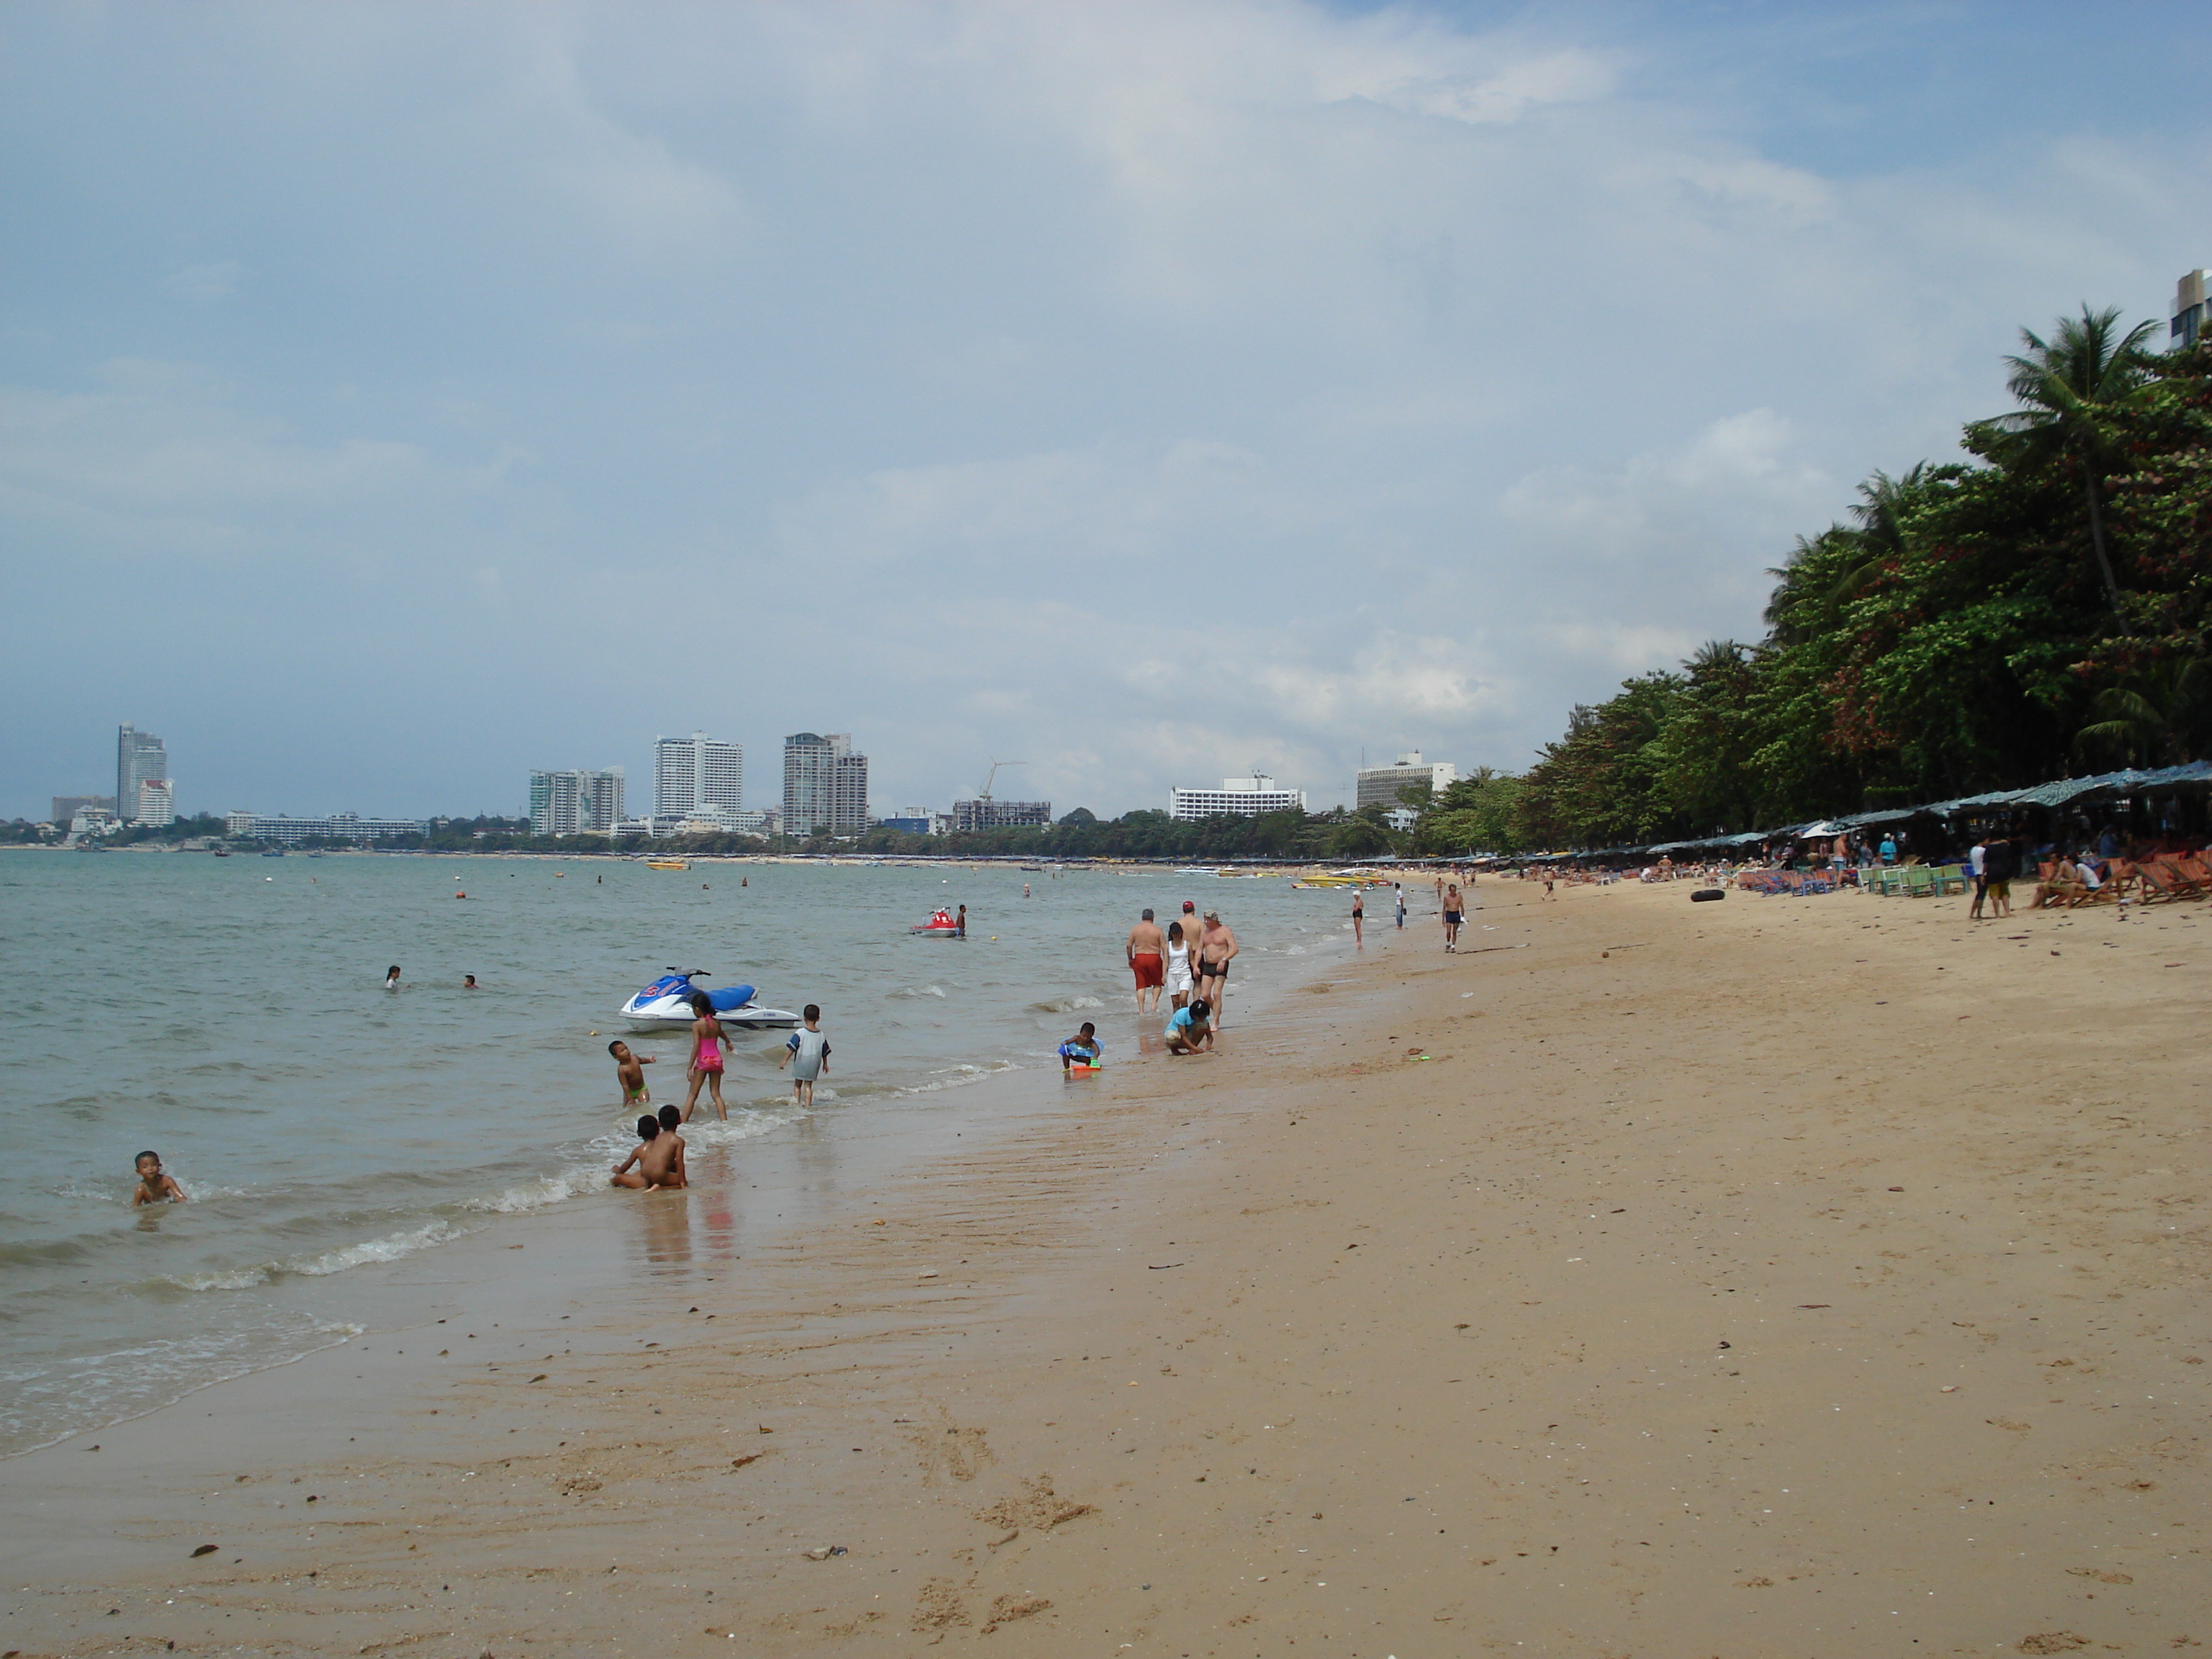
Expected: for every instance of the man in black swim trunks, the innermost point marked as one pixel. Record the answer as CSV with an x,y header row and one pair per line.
x,y
1216,945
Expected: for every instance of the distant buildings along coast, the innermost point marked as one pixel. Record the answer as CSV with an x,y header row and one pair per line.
x,y
825,785
583,802
142,760
1237,797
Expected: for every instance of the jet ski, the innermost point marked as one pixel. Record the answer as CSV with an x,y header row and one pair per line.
x,y
666,1006
940,925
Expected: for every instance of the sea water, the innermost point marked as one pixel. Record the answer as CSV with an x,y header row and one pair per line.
x,y
230,1014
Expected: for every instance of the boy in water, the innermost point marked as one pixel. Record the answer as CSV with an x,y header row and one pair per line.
x,y
653,1155
155,1187
1191,1029
680,1172
807,1053
629,1072
1081,1050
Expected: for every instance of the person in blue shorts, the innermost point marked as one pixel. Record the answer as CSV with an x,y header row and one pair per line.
x,y
1190,1030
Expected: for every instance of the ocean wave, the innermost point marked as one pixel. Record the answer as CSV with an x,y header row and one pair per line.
x,y
244,1279
389,1248
919,991
956,1077
1066,1004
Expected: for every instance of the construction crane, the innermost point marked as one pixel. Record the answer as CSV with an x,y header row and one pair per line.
x,y
984,794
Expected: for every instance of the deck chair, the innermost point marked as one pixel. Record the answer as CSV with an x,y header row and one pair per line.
x,y
1919,882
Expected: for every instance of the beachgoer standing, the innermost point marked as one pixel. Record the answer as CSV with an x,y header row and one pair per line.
x,y
1889,849
2000,860
1358,920
1977,860
1181,959
961,922
1217,947
708,1040
1398,888
807,1053
1146,949
1455,912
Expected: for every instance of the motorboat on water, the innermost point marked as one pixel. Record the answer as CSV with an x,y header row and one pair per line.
x,y
668,864
666,1006
940,925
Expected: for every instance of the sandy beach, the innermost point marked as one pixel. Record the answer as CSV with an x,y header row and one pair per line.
x,y
1818,1277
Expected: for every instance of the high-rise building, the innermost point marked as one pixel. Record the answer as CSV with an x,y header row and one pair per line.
x,y
157,806
2189,299
825,785
969,816
139,756
1378,785
696,771
576,803
1240,797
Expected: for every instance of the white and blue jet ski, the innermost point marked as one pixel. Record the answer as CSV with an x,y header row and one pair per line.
x,y
666,1006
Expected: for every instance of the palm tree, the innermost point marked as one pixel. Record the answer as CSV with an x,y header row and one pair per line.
x,y
2153,714
2068,388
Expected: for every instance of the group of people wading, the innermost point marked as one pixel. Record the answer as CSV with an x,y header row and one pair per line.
x,y
1190,962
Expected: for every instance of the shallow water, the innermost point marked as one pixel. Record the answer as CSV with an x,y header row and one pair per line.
x,y
230,1013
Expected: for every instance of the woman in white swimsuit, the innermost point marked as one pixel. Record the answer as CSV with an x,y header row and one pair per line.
x,y
1178,965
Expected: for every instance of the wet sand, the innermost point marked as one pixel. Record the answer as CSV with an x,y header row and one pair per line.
x,y
1818,1277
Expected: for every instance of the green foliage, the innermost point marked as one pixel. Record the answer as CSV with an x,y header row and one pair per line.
x,y
1974,627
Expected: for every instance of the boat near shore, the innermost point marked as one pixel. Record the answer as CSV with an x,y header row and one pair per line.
x,y
668,864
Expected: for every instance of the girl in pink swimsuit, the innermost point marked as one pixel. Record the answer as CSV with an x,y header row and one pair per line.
x,y
708,1039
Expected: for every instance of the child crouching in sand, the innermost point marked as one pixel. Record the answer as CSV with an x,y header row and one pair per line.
x,y
1082,1049
1191,1029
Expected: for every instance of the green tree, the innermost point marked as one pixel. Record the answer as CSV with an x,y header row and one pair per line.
x,y
2070,388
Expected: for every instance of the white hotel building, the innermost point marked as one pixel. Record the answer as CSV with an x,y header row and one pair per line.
x,y
1238,797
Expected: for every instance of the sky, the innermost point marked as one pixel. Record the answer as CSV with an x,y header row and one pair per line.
x,y
394,398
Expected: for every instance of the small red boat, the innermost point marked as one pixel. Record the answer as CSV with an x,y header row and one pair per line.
x,y
940,925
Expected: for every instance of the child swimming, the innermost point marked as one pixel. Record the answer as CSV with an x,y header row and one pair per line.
x,y
155,1187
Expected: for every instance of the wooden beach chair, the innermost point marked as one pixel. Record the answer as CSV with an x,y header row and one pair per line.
x,y
1919,882
2161,882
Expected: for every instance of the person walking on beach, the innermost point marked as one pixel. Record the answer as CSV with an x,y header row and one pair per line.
x,y
1358,921
1146,949
708,1040
1455,912
1180,960
807,1053
1217,947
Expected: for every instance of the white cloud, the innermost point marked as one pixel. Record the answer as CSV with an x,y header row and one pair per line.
x,y
1149,390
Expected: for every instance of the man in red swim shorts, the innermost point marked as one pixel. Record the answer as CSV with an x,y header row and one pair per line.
x,y
1147,947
